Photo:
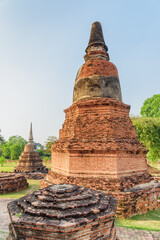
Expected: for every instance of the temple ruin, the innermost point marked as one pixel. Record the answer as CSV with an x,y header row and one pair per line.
x,y
98,145
30,162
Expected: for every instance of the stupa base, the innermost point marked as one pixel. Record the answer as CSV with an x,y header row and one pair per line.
x,y
32,173
12,182
63,211
136,194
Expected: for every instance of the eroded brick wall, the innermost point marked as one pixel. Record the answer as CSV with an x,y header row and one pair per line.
x,y
11,182
98,139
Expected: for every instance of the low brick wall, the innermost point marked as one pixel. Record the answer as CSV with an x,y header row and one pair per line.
x,y
136,194
139,201
101,184
12,182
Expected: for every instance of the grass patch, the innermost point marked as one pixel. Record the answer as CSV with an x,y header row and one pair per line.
x,y
48,164
156,165
8,166
149,221
33,186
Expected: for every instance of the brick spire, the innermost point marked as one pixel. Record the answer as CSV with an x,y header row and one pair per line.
x,y
30,134
96,36
97,77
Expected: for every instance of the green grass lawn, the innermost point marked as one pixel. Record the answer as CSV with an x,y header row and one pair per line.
x,y
9,166
33,186
149,221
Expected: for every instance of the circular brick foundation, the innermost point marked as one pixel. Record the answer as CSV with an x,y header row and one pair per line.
x,y
63,211
12,182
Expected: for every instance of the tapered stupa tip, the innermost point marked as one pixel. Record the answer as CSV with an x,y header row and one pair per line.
x,y
30,133
96,36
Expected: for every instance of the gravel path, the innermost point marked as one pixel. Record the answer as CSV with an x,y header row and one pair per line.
x,y
134,234
122,233
4,218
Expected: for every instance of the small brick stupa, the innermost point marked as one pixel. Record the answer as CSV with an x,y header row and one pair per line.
x,y
98,145
63,212
30,161
12,182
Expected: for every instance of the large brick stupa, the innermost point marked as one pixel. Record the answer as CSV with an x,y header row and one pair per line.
x,y
30,161
98,145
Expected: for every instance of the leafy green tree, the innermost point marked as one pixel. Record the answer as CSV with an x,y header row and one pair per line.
x,y
13,148
1,139
16,150
17,140
2,160
40,151
151,107
39,145
49,142
1,142
148,132
6,150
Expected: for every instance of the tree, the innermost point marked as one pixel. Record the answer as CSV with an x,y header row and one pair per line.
x,y
148,132
39,146
2,160
1,141
6,150
17,140
50,141
16,151
151,106
40,151
13,148
16,145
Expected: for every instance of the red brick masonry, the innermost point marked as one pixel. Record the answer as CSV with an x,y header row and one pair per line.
x,y
12,182
63,212
98,140
98,148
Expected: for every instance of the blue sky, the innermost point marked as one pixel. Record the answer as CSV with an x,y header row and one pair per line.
x,y
42,44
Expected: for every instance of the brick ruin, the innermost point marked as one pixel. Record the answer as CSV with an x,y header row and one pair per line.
x,y
98,145
12,182
63,212
30,162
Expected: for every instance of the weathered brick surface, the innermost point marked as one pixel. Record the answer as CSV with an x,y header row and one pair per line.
x,y
98,148
98,145
98,139
97,77
138,201
30,162
63,212
103,184
11,182
135,194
